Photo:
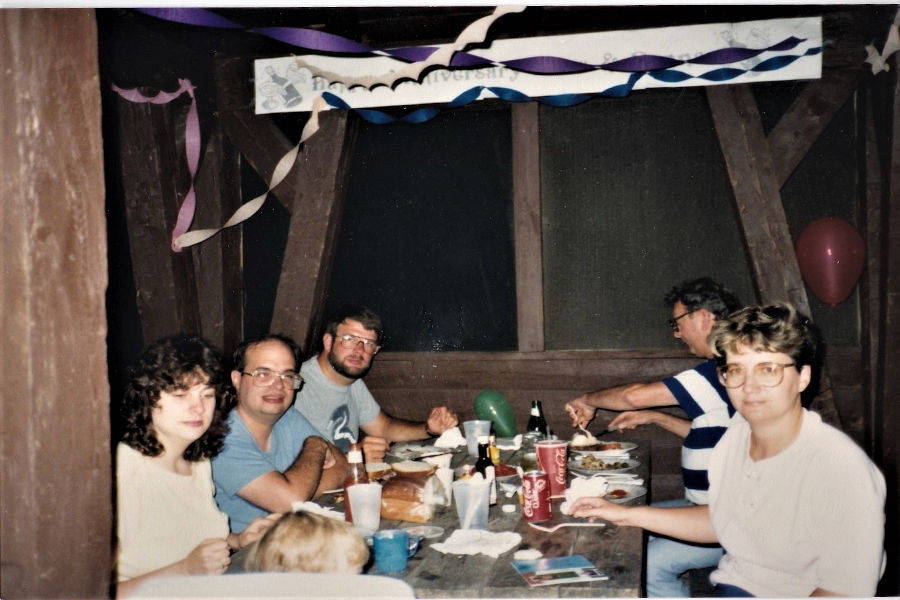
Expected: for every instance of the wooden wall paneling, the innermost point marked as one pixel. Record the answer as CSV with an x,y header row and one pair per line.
x,y
526,174
217,261
808,117
55,472
773,262
155,181
312,192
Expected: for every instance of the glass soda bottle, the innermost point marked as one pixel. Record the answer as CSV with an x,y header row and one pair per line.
x,y
537,425
484,466
355,474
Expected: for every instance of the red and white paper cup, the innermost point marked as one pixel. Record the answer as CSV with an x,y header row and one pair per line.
x,y
551,458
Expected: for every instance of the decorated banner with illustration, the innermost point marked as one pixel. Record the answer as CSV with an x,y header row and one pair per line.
x,y
600,63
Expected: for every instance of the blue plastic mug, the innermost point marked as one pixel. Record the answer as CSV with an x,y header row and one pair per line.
x,y
393,547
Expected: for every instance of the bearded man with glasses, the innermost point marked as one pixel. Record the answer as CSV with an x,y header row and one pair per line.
x,y
696,306
272,455
335,398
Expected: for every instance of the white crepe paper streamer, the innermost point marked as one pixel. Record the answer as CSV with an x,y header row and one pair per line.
x,y
878,60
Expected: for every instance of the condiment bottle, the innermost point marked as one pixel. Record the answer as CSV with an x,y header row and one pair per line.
x,y
537,425
355,474
484,466
493,450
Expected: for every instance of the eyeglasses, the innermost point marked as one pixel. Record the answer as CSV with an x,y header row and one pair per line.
x,y
350,341
264,377
673,323
766,374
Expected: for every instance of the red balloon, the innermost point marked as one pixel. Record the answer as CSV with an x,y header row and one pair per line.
x,y
830,252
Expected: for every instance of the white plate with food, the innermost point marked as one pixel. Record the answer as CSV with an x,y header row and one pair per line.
x,y
590,465
604,448
623,492
413,451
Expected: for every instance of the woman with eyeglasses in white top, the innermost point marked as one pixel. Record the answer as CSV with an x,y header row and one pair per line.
x,y
797,505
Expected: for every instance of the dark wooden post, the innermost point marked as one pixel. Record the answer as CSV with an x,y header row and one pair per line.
x,y
55,472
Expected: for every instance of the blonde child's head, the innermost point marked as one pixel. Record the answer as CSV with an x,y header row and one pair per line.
x,y
304,541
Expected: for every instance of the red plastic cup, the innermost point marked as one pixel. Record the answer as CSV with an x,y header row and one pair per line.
x,y
551,459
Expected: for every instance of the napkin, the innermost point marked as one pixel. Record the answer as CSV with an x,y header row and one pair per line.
x,y
315,508
452,438
580,488
513,443
478,541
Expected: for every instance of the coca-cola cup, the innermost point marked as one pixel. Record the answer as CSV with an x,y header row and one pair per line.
x,y
551,459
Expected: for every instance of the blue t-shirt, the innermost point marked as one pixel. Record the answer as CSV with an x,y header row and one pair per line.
x,y
707,405
241,461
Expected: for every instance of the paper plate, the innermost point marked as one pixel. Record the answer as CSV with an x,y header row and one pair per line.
x,y
426,532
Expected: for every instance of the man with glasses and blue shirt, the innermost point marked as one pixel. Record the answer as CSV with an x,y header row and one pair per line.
x,y
335,398
696,306
272,456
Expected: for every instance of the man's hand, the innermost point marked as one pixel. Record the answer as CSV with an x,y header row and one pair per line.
x,y
580,411
256,529
374,448
440,420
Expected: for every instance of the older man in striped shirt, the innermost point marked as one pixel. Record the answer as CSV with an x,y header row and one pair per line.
x,y
695,306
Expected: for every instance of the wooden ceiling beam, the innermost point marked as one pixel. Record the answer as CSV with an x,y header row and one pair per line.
x,y
807,118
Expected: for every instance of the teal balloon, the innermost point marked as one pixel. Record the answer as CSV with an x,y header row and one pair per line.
x,y
490,405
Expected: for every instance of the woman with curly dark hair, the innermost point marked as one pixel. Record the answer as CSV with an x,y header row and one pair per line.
x,y
174,420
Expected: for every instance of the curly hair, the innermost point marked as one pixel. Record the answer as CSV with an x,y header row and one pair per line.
x,y
170,364
305,541
775,327
704,293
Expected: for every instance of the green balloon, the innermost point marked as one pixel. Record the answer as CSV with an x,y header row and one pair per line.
x,y
490,405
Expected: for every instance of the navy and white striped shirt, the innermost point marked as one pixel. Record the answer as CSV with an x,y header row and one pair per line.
x,y
706,403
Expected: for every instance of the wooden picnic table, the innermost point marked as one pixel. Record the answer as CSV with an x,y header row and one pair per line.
x,y
619,551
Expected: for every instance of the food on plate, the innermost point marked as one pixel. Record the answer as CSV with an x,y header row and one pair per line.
x,y
595,463
413,468
502,470
581,439
617,493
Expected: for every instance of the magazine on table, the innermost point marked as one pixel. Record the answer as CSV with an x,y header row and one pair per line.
x,y
560,569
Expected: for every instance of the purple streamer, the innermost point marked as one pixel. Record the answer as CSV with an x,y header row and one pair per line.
x,y
316,40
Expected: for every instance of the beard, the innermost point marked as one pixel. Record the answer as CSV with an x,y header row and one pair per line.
x,y
347,372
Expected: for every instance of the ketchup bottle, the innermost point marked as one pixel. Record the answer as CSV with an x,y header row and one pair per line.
x,y
355,474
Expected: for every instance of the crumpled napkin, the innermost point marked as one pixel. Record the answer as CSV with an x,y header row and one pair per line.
x,y
513,443
478,541
315,508
580,488
452,438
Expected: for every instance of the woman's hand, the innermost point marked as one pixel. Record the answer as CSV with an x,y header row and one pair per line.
x,y
210,557
594,508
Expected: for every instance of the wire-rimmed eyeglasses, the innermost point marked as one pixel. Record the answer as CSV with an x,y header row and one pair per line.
x,y
350,341
766,374
263,377
673,322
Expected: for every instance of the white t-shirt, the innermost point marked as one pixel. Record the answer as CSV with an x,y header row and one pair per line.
x,y
162,516
810,517
336,411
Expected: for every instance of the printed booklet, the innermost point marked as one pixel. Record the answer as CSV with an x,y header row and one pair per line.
x,y
561,569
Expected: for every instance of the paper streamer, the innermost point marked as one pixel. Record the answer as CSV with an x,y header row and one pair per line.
x,y
191,142
877,59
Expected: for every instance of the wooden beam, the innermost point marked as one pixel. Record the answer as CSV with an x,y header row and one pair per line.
x,y
808,117
773,262
526,167
217,261
57,518
316,189
313,192
155,181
